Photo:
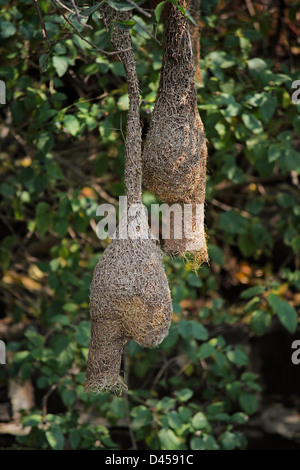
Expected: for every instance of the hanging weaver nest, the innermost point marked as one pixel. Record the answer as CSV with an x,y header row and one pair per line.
x,y
129,294
129,299
175,151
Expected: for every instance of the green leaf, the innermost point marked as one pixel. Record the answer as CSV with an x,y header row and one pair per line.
x,y
238,357
61,319
53,170
184,395
74,438
194,280
32,420
187,14
260,320
72,124
64,351
295,243
268,107
275,151
239,418
91,10
206,350
192,329
248,402
44,62
246,245
125,24
171,339
185,329
55,437
120,6
252,304
118,407
143,418
197,443
210,443
228,440
185,414
252,292
199,331
174,420
249,376
232,222
83,333
158,10
215,408
257,65
43,222
60,64
199,421
286,313
102,38
42,208
285,200
252,123
45,141
60,226
68,397
168,440
216,254
7,29
292,160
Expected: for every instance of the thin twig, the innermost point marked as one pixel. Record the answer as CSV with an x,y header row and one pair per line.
x,y
44,31
148,32
252,13
78,16
76,9
64,6
126,402
162,371
226,207
85,40
45,398
138,8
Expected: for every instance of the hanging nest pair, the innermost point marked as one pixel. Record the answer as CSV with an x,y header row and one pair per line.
x,y
129,294
175,150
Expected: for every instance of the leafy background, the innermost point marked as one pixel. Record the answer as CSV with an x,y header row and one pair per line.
x,y
223,378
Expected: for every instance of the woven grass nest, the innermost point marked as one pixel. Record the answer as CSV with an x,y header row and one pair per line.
x,y
129,299
175,151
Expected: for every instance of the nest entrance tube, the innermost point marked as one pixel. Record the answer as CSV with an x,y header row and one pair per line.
x,y
175,150
129,295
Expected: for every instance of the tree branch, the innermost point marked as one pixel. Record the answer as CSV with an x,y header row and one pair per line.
x,y
84,39
138,8
44,31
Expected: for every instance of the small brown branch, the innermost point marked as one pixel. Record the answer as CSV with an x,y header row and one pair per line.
x,y
44,31
148,32
227,187
76,10
78,16
126,402
64,6
226,207
162,371
84,39
45,398
138,8
252,13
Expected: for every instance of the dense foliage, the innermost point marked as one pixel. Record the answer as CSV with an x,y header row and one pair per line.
x,y
62,133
